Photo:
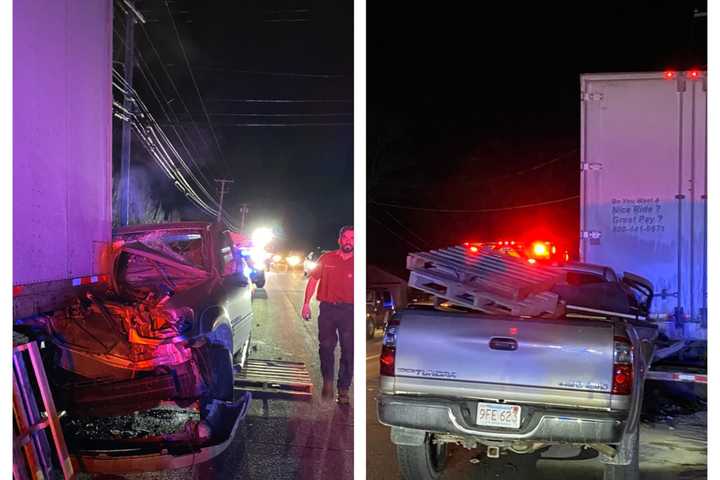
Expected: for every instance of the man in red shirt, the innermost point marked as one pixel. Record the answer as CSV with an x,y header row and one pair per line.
x,y
334,272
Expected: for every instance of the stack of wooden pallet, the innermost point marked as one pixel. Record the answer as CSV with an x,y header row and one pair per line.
x,y
486,280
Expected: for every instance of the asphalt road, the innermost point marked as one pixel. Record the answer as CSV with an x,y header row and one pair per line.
x,y
292,439
669,450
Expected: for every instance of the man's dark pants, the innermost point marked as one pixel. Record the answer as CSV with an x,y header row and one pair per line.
x,y
336,321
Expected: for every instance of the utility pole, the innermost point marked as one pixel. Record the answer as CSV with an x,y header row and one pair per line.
x,y
222,182
244,211
132,15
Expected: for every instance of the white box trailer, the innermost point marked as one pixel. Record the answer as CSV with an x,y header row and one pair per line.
x,y
62,149
644,187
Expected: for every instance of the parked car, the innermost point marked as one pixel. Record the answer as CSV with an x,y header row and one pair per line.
x,y
311,260
379,307
175,319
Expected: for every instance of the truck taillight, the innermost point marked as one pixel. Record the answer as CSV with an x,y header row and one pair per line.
x,y
387,361
387,356
622,367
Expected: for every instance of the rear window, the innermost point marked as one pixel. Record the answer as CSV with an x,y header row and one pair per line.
x,y
185,246
584,278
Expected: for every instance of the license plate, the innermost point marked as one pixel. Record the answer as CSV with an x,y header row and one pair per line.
x,y
498,415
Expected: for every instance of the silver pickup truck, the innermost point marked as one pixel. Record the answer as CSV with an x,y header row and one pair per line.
x,y
519,384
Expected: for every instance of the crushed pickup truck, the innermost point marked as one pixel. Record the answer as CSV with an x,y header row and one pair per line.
x,y
517,356
172,325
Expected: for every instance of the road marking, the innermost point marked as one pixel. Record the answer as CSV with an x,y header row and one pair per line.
x,y
373,357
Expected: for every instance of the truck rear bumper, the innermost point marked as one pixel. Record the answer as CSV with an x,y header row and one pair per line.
x,y
543,425
152,457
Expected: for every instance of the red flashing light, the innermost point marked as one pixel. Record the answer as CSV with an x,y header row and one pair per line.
x,y
104,278
669,74
540,250
693,74
467,244
513,330
474,249
17,290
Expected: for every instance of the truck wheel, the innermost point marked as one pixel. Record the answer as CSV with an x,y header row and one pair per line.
x,y
216,367
370,328
423,462
626,472
259,279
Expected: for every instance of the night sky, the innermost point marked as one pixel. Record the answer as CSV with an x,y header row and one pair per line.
x,y
479,109
296,178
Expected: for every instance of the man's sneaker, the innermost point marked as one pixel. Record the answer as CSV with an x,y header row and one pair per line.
x,y
343,396
327,391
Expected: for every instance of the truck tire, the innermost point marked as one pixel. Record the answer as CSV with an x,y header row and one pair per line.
x,y
423,462
259,280
370,328
216,367
626,472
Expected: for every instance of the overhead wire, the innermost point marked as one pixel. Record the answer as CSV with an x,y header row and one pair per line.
x,y
278,100
146,72
417,237
172,82
158,145
197,89
163,158
397,235
481,210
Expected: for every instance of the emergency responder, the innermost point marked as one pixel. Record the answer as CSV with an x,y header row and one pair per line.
x,y
334,272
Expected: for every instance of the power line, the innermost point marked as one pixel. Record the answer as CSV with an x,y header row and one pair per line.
x,y
223,191
528,170
418,237
197,90
328,124
483,210
267,73
160,102
172,83
397,235
341,114
287,20
277,100
157,149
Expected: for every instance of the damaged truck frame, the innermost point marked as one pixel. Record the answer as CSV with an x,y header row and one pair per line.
x,y
172,324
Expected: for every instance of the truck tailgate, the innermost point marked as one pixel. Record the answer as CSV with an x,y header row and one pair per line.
x,y
562,362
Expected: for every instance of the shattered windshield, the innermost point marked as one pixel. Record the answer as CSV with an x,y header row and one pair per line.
x,y
184,246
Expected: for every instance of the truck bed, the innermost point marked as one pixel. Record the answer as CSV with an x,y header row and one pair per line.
x,y
553,362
